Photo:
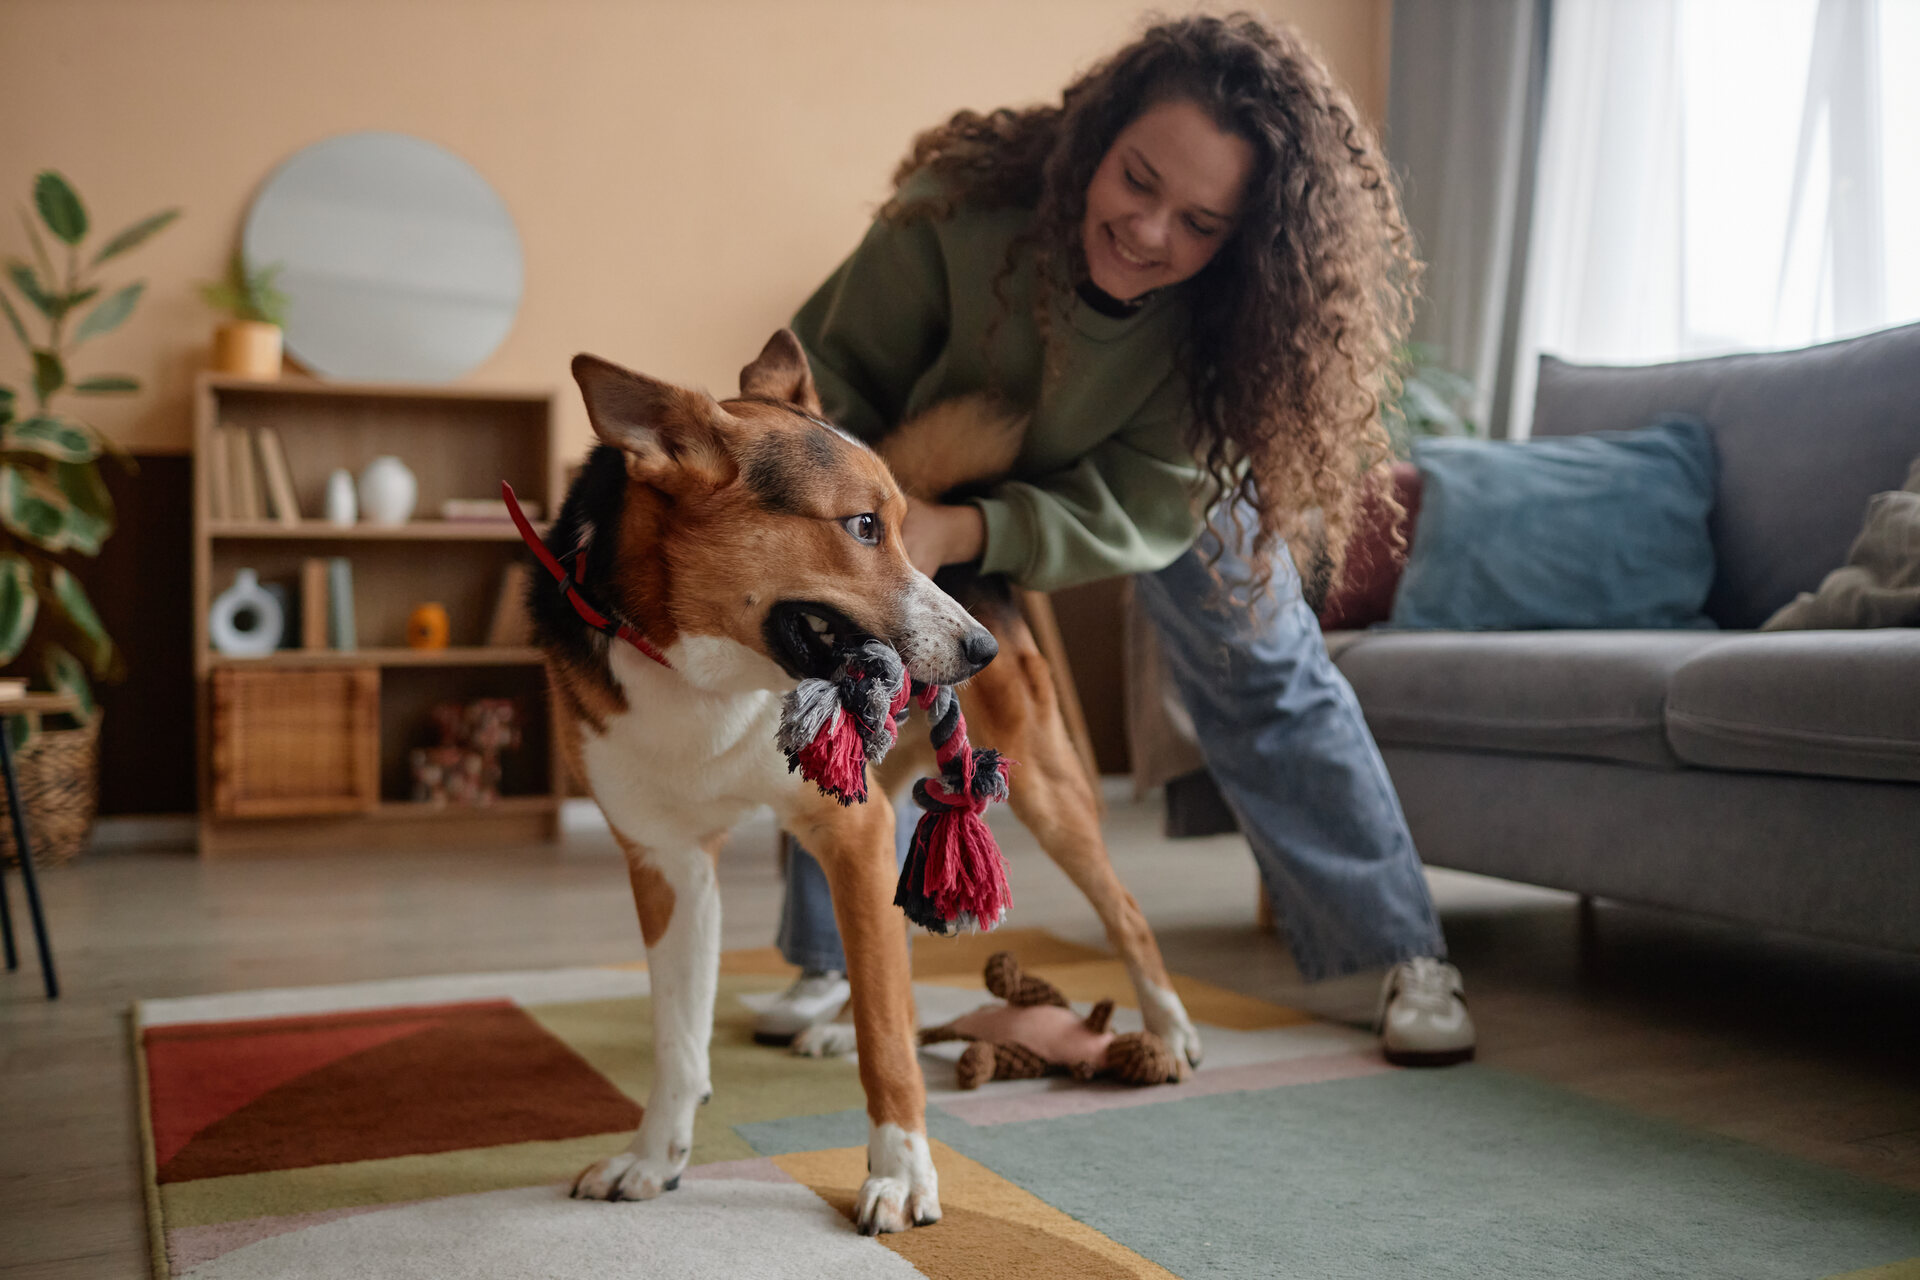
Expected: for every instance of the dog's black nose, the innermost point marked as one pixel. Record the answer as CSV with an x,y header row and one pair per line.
x,y
979,647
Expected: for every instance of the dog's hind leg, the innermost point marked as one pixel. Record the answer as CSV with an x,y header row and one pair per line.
x,y
678,900
855,847
1011,706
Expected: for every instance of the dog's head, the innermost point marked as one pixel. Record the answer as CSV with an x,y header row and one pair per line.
x,y
754,523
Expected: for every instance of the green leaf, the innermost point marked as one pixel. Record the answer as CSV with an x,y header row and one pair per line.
x,y
135,235
59,207
19,733
73,301
7,397
47,435
19,606
107,316
49,375
13,318
89,505
71,599
65,675
33,508
47,304
84,488
102,384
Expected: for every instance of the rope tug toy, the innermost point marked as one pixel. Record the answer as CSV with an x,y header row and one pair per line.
x,y
955,880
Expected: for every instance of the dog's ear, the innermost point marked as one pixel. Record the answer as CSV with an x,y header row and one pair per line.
x,y
671,435
780,372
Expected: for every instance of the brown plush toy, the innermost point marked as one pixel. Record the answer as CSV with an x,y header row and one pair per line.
x,y
1035,1032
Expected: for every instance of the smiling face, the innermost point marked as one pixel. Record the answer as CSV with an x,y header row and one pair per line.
x,y
1164,199
756,522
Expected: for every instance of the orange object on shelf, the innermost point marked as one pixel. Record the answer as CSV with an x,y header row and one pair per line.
x,y
427,627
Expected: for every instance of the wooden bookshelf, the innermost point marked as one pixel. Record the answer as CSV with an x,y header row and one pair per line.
x,y
451,656
413,531
460,442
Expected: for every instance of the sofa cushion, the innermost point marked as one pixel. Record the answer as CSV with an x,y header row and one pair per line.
x,y
1608,530
1803,437
1597,695
1833,703
1373,566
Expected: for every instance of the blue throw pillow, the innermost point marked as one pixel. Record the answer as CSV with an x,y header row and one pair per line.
x,y
1607,530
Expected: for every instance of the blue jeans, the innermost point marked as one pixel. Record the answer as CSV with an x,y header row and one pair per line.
x,y
1284,738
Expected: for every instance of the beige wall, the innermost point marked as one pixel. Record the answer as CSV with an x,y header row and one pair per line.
x,y
682,173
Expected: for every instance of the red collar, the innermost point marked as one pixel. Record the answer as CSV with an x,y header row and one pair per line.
x,y
570,585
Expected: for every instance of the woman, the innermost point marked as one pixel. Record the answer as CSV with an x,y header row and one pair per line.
x,y
1193,273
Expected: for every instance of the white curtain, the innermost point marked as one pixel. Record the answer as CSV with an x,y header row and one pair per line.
x,y
1718,175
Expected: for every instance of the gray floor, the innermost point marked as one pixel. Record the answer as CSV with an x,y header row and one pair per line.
x,y
1799,1046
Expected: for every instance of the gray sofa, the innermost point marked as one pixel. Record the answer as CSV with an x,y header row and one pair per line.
x,y
1769,778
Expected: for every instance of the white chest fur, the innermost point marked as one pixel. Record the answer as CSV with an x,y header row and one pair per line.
x,y
694,751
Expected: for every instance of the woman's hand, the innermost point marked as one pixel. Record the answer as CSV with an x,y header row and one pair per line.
x,y
934,535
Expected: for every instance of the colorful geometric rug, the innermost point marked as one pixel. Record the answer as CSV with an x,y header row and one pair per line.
x,y
428,1128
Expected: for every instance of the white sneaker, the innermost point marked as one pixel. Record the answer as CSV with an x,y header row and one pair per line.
x,y
1423,1019
814,997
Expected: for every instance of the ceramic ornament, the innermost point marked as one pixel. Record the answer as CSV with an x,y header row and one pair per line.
x,y
388,491
343,508
246,621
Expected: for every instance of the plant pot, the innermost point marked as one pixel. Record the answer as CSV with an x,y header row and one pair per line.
x,y
59,776
247,348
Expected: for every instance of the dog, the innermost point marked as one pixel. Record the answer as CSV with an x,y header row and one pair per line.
x,y
737,541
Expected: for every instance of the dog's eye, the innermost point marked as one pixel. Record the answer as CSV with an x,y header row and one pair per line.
x,y
865,528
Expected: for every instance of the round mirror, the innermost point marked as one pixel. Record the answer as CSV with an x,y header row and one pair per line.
x,y
400,263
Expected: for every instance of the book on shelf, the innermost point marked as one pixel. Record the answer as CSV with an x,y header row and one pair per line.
x,y
219,476
314,614
510,628
340,628
273,464
246,476
12,687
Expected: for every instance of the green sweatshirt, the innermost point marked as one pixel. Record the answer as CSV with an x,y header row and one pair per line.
x,y
1105,483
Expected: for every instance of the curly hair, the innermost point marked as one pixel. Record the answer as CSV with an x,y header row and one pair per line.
x,y
1297,318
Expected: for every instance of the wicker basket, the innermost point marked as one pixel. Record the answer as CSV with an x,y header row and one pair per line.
x,y
296,743
59,776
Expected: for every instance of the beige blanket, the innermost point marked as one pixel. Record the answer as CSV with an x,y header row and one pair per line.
x,y
1879,586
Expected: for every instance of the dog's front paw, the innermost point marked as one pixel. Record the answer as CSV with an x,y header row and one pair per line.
x,y
891,1204
1187,1050
825,1040
1167,1018
627,1177
902,1190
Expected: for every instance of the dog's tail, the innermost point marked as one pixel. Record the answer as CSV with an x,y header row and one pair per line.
x,y
954,444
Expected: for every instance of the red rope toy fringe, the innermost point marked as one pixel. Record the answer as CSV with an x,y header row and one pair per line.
x,y
955,879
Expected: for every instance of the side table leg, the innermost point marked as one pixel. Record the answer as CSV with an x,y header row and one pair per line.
x,y
26,866
6,908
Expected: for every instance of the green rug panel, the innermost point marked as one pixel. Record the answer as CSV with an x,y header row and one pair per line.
x,y
1426,1175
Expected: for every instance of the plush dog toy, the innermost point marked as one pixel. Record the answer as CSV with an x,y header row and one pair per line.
x,y
1035,1033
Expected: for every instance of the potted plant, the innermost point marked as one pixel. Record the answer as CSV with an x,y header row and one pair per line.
x,y
249,344
54,505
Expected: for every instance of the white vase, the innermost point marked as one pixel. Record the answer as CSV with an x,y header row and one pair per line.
x,y
246,621
342,507
387,491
